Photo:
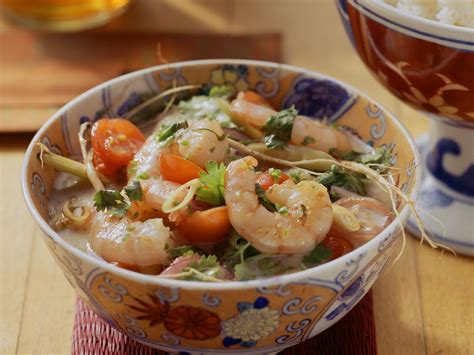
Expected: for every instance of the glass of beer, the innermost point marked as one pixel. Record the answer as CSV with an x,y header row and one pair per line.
x,y
63,15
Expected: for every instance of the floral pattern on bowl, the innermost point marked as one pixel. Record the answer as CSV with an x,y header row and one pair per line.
x,y
258,316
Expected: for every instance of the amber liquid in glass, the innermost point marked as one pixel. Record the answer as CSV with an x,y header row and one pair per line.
x,y
63,15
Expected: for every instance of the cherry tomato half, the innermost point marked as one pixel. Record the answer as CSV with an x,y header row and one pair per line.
x,y
115,141
210,226
338,245
266,180
176,169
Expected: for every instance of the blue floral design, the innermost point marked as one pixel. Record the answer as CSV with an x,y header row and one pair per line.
x,y
350,296
463,183
132,101
319,98
353,288
255,321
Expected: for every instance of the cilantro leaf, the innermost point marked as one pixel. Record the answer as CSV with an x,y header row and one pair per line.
x,y
298,175
381,156
184,250
262,265
223,91
114,202
169,132
278,128
346,179
111,201
263,199
212,191
134,191
246,261
319,254
106,199
205,266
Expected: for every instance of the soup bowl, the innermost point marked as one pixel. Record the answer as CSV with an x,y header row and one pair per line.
x,y
258,316
430,66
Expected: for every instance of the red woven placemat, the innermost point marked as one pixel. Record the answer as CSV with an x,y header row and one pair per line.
x,y
354,334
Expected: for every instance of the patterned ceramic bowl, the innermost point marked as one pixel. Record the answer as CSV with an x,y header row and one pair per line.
x,y
430,66
260,316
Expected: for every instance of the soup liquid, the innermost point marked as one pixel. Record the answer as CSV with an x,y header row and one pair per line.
x,y
63,15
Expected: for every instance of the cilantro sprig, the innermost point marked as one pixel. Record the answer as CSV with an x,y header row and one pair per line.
x,y
318,255
381,156
264,200
246,261
222,91
346,179
212,191
206,268
169,132
117,203
278,128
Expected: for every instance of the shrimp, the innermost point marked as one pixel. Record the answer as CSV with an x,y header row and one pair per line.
x,y
199,144
306,223
203,141
133,243
305,131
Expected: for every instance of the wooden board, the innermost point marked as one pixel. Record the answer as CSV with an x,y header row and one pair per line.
x,y
41,72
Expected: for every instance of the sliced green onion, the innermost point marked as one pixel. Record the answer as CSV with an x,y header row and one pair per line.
x,y
171,204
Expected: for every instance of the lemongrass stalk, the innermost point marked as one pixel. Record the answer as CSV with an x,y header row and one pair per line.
x,y
61,163
87,158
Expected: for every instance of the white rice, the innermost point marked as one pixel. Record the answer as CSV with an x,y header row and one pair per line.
x,y
451,12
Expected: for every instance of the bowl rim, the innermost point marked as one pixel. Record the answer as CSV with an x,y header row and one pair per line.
x,y
434,27
228,285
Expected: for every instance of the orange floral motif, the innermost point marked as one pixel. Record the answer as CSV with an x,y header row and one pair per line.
x,y
154,312
193,323
435,103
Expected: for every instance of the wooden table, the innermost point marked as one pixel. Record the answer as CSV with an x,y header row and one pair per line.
x,y
424,304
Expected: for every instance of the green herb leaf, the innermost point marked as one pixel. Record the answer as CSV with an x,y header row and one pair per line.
x,y
143,176
207,266
278,128
134,191
184,250
106,199
111,201
346,179
298,175
169,132
223,91
380,156
263,199
132,167
212,191
275,174
258,266
319,254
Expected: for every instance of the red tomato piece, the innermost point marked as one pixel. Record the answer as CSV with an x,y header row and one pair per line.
x,y
115,141
209,226
338,245
265,180
176,169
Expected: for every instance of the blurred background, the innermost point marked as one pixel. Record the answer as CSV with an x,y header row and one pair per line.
x,y
46,59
